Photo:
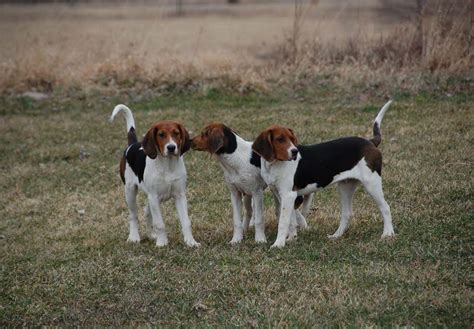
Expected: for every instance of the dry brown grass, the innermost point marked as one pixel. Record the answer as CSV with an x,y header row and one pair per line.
x,y
63,221
241,48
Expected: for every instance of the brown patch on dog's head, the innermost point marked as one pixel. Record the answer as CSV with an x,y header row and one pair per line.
x,y
212,138
165,133
274,143
373,157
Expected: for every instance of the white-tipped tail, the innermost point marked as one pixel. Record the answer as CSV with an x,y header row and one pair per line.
x,y
127,113
377,139
378,119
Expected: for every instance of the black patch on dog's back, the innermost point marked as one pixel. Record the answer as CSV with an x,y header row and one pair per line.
x,y
255,159
321,162
136,159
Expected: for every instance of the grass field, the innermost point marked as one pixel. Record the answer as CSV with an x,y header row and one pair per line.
x,y
65,261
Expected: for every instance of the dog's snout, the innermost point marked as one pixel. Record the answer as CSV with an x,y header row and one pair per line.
x,y
171,148
294,152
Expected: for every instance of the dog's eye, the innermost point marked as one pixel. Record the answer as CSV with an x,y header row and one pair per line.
x,y
281,139
161,134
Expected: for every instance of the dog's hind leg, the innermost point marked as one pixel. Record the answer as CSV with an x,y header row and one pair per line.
x,y
257,202
306,206
248,205
131,198
149,221
373,186
346,192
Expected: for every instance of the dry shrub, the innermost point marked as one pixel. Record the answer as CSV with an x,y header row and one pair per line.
x,y
442,45
446,36
34,71
177,75
437,40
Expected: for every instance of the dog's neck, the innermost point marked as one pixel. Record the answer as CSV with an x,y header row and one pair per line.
x,y
238,159
168,163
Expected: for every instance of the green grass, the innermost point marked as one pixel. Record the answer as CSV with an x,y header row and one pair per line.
x,y
61,267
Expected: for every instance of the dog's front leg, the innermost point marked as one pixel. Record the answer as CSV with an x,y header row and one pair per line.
x,y
236,199
257,201
286,209
182,209
158,226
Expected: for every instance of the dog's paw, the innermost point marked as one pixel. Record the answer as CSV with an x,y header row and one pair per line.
x,y
261,239
162,242
292,236
334,236
388,234
192,243
133,238
301,221
235,240
278,244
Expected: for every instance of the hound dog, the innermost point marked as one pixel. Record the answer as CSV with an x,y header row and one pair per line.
x,y
156,167
242,173
295,170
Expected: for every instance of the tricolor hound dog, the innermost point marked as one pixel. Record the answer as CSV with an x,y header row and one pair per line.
x,y
242,173
295,170
156,167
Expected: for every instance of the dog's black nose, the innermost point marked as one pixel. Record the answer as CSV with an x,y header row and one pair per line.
x,y
294,152
171,148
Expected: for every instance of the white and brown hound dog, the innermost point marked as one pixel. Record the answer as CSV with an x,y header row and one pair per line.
x,y
295,170
156,167
242,173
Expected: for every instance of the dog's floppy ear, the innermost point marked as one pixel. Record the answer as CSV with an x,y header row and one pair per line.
x,y
263,146
149,143
293,138
216,140
185,141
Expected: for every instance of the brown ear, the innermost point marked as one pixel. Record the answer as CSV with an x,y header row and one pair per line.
x,y
149,143
293,138
263,146
215,140
185,142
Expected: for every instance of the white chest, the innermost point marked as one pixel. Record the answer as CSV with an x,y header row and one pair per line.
x,y
165,178
279,174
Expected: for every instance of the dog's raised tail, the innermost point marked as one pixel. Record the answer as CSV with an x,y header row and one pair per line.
x,y
131,135
378,123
